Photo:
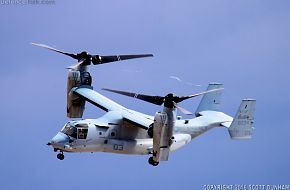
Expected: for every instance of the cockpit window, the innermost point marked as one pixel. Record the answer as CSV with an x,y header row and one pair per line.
x,y
70,130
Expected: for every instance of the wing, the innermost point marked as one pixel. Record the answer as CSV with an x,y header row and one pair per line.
x,y
96,99
136,118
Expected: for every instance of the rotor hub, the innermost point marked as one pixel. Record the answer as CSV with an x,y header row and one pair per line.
x,y
169,100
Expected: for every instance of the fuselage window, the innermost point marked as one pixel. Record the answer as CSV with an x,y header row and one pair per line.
x,y
100,133
113,134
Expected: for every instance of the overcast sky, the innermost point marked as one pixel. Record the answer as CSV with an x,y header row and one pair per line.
x,y
243,44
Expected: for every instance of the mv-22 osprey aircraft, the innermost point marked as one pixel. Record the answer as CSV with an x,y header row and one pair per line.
x,y
125,131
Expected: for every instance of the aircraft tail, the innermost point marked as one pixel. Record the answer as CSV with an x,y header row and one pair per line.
x,y
242,125
210,101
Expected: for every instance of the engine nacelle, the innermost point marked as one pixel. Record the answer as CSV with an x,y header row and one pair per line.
x,y
160,137
75,104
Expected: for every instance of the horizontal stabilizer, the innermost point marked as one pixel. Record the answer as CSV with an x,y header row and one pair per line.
x,y
242,125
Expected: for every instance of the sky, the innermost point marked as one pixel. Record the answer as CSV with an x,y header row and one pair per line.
x,y
243,44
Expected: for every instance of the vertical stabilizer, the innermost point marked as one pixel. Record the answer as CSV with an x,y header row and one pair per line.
x,y
242,125
210,101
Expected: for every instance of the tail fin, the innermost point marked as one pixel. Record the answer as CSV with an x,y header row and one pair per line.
x,y
210,101
242,125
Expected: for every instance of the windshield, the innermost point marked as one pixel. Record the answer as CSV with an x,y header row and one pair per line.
x,y
70,130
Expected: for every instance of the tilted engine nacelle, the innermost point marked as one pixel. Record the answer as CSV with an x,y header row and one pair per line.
x,y
160,137
75,104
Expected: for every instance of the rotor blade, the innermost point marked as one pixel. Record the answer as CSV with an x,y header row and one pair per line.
x,y
56,50
158,100
181,98
113,58
183,110
76,66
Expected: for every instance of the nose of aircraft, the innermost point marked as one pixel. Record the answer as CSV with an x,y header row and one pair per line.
x,y
59,139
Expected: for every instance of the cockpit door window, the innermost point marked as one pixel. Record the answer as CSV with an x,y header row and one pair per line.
x,y
82,133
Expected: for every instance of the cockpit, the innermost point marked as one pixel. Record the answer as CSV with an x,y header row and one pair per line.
x,y
77,131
